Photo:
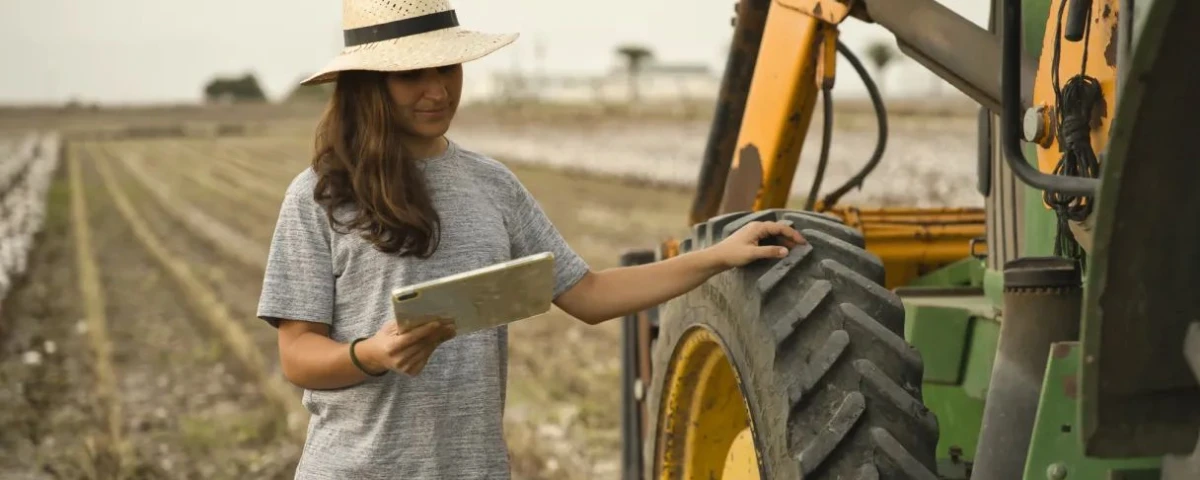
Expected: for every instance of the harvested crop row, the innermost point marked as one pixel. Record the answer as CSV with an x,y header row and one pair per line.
x,y
236,282
208,181
279,158
209,307
23,205
254,196
224,179
94,307
190,408
229,242
252,173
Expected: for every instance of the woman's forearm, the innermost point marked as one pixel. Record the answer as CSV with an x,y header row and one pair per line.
x,y
617,292
317,362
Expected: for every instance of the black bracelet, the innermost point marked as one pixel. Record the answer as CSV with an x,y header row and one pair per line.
x,y
354,359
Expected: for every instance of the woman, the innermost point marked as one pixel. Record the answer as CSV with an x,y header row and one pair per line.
x,y
390,200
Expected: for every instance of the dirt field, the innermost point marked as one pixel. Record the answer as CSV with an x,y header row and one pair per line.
x,y
177,231
131,348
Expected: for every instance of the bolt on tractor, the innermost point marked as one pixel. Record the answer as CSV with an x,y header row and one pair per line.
x,y
1053,333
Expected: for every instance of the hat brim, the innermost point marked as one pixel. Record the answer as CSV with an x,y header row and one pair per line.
x,y
428,50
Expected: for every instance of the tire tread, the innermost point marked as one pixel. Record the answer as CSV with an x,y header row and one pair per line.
x,y
835,334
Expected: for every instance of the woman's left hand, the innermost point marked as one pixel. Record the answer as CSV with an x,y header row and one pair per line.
x,y
742,247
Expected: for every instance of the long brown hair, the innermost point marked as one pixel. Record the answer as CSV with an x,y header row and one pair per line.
x,y
360,163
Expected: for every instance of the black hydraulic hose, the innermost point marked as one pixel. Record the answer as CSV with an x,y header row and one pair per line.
x,y
881,118
826,137
1077,20
1011,113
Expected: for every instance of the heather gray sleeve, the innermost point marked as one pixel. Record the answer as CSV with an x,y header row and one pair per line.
x,y
531,232
298,283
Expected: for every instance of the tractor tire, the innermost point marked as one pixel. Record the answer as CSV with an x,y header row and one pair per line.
x,y
831,389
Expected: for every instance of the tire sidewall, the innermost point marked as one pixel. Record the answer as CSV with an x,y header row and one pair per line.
x,y
729,307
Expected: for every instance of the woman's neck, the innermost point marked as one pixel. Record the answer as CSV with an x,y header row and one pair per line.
x,y
426,148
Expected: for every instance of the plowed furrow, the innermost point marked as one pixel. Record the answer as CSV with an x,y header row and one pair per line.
x,y
228,241
192,175
226,268
94,305
207,306
183,398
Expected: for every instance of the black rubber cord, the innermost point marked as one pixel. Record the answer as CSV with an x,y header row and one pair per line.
x,y
826,137
1075,102
856,181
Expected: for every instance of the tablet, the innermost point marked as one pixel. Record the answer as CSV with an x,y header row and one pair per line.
x,y
482,298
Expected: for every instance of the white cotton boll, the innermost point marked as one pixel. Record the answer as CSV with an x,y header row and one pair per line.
x,y
32,357
11,262
8,255
5,284
21,256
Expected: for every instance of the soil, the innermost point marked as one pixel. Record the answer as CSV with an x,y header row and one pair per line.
x,y
185,409
46,418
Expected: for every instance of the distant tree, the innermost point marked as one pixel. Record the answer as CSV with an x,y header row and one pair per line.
x,y
234,90
635,57
880,54
74,103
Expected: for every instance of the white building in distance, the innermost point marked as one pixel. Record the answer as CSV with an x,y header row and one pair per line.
x,y
655,83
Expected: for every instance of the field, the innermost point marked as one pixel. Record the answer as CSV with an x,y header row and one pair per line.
x,y
129,344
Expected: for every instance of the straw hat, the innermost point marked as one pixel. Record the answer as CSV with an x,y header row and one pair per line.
x,y
394,35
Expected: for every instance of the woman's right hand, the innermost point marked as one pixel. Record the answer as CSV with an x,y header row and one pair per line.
x,y
404,350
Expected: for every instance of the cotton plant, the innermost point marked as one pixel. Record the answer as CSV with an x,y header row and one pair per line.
x,y
26,172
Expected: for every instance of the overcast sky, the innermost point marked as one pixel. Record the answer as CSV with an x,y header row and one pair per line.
x,y
141,51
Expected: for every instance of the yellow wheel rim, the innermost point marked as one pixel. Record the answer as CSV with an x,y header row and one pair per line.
x,y
704,425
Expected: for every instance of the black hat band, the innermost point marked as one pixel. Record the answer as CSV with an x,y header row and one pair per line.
x,y
400,28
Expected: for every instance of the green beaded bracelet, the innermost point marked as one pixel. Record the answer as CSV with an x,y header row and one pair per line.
x,y
354,359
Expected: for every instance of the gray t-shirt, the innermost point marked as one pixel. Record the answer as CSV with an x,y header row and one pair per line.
x,y
446,422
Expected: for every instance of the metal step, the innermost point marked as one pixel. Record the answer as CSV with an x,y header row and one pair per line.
x,y
1176,467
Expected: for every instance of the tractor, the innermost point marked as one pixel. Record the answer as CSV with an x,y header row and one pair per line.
x,y
1053,333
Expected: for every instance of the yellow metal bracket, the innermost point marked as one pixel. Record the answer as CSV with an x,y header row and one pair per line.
x,y
831,11
827,64
778,110
914,241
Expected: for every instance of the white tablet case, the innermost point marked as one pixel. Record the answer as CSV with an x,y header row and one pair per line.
x,y
483,298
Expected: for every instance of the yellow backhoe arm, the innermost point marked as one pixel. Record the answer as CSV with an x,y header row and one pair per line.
x,y
751,162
